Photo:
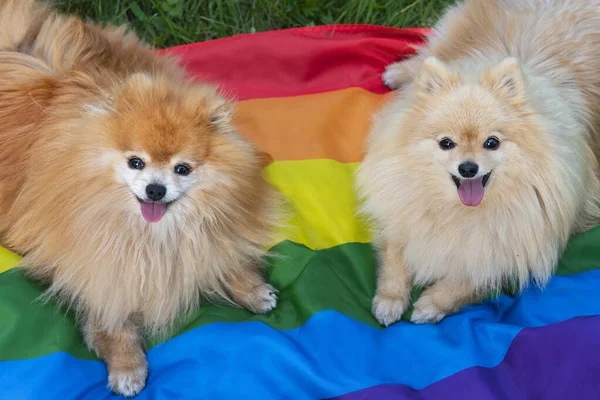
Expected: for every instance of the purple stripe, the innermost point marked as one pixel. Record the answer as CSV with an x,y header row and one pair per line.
x,y
560,361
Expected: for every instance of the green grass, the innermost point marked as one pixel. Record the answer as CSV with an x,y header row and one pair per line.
x,y
172,22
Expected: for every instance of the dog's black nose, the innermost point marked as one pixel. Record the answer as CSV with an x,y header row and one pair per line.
x,y
468,169
156,192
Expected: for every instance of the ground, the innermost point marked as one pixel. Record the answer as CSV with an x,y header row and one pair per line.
x,y
172,22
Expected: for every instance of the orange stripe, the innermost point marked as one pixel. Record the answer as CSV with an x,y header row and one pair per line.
x,y
329,125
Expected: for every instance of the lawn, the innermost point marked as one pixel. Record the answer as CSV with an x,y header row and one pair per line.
x,y
172,22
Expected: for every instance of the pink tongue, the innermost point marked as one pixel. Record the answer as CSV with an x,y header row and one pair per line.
x,y
470,191
153,212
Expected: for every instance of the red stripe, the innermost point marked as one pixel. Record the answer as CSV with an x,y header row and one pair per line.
x,y
299,61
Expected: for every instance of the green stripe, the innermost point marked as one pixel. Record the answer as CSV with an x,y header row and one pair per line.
x,y
582,254
29,328
340,278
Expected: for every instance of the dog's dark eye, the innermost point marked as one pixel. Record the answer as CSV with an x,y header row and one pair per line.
x,y
182,169
447,144
491,143
136,163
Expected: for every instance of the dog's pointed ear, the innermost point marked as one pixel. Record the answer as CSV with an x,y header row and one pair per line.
x,y
265,159
221,111
212,106
506,80
435,77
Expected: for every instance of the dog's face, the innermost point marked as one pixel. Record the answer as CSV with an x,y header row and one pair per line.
x,y
156,183
469,142
469,128
170,144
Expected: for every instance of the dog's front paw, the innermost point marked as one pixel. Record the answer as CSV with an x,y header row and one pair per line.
x,y
426,311
128,383
389,309
260,300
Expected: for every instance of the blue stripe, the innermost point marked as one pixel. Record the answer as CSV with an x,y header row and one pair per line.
x,y
329,355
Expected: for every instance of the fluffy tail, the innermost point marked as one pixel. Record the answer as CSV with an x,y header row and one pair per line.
x,y
19,20
68,43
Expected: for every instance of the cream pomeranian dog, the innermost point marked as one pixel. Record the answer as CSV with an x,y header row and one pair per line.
x,y
483,167
124,184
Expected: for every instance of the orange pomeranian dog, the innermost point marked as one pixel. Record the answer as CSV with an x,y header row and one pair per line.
x,y
124,184
480,170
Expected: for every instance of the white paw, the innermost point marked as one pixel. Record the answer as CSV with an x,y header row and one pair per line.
x,y
128,383
426,312
388,310
261,299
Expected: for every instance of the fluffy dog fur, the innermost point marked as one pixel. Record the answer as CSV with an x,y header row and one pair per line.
x,y
524,72
77,102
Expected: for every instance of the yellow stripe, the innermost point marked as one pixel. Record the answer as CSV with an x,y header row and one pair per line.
x,y
8,260
323,202
322,199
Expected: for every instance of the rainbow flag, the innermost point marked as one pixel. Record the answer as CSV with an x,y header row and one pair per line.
x,y
305,96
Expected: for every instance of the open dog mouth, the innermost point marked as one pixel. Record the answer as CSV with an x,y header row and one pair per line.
x,y
153,211
471,190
